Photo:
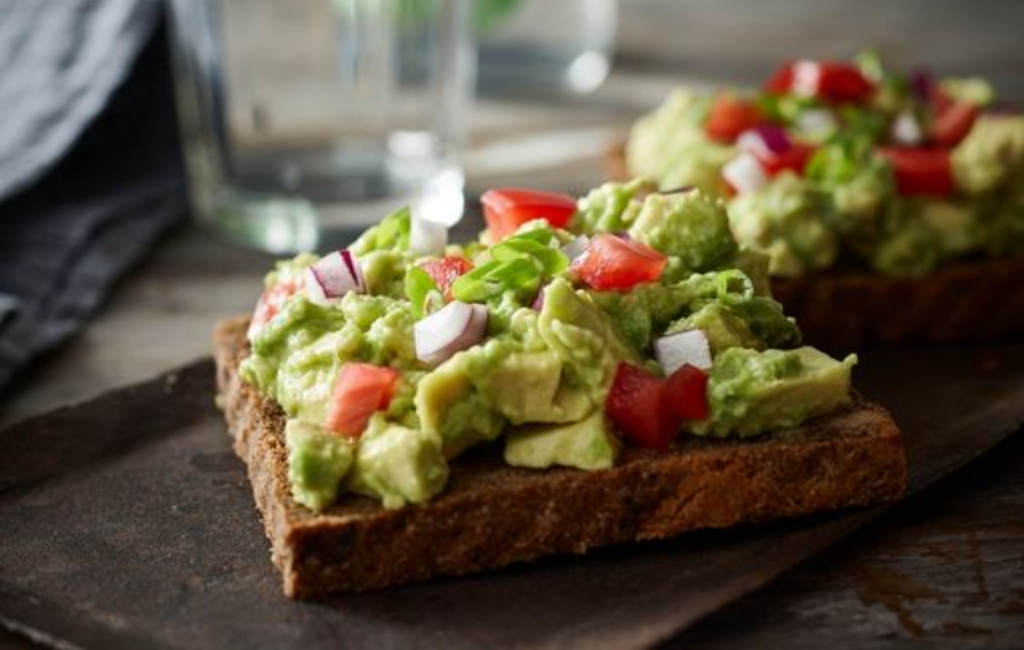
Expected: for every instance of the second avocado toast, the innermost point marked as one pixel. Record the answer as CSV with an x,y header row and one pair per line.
x,y
890,204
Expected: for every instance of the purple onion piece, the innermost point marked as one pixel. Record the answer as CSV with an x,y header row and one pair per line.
x,y
352,264
454,328
774,138
332,277
922,85
683,189
764,140
538,301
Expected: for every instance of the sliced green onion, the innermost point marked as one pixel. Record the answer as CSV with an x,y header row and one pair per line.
x,y
422,291
495,278
733,287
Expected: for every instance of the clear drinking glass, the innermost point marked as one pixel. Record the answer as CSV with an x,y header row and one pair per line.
x,y
544,47
305,119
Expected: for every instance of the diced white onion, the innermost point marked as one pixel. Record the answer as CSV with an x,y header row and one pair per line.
x,y
906,130
816,123
427,237
806,78
332,277
576,247
455,327
676,350
745,173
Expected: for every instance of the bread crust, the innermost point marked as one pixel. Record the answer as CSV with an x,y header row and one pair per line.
x,y
492,515
968,301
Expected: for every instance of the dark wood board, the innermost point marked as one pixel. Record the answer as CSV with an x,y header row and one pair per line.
x,y
149,536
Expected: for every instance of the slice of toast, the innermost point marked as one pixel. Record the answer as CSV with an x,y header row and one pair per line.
x,y
969,301
491,515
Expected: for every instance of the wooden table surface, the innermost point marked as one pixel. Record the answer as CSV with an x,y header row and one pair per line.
x,y
944,570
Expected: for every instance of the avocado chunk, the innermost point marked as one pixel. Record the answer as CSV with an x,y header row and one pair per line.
x,y
723,328
751,392
449,405
398,465
527,387
582,336
317,462
611,207
691,226
588,444
990,155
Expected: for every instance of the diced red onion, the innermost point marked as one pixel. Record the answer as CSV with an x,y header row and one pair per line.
x,y
676,350
457,326
922,84
906,130
806,78
682,189
538,301
816,122
745,173
765,140
333,276
575,248
427,237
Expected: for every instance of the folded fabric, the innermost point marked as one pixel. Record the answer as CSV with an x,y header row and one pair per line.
x,y
59,64
98,198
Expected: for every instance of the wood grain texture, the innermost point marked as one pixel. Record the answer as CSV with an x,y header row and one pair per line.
x,y
945,570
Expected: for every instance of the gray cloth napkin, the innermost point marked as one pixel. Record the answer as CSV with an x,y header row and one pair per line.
x,y
90,174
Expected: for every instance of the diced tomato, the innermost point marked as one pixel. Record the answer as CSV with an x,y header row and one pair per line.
x,y
360,390
270,302
685,395
940,100
793,159
446,270
611,262
731,116
926,172
842,82
953,123
831,81
780,82
506,209
634,406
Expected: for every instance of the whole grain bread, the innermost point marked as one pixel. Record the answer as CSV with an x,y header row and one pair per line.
x,y
492,515
970,301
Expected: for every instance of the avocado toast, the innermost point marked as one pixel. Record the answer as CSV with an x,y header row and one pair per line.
x,y
863,185
588,373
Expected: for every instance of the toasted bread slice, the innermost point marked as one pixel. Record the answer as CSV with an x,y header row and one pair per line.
x,y
971,301
492,515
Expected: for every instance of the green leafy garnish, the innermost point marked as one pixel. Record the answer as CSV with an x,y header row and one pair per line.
x,y
423,293
494,278
392,233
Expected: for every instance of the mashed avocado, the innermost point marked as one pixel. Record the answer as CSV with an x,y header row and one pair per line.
x,y
537,377
750,390
670,146
782,221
